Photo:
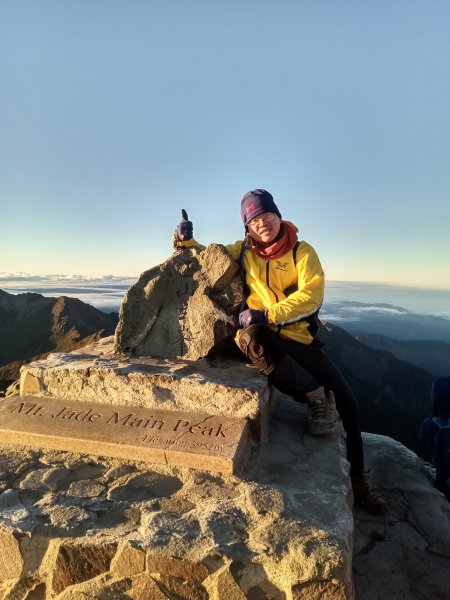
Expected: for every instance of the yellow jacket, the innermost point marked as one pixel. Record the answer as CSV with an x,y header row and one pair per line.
x,y
291,292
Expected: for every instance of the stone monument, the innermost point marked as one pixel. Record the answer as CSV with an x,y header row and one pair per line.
x,y
182,308
135,468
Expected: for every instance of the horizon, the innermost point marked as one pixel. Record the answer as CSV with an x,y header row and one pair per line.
x,y
115,116
11,278
106,293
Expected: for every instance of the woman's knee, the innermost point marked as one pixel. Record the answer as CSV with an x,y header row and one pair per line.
x,y
262,346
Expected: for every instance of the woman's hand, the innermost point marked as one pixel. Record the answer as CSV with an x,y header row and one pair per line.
x,y
252,317
185,229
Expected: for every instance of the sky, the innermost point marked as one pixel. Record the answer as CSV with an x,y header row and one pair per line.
x,y
116,114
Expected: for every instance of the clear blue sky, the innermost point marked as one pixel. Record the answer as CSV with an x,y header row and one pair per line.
x,y
114,115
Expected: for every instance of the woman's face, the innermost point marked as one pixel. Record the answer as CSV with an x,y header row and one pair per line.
x,y
264,228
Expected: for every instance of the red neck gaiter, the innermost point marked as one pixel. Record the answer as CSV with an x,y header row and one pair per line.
x,y
284,243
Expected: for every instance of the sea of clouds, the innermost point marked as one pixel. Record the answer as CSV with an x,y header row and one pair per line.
x,y
106,293
383,299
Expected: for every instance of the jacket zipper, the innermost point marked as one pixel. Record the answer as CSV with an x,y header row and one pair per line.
x,y
267,281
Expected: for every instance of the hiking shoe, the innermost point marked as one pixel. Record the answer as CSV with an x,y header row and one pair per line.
x,y
365,497
321,412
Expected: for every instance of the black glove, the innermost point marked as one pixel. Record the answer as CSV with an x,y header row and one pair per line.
x,y
252,317
185,229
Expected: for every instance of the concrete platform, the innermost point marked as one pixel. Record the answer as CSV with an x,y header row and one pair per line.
x,y
96,375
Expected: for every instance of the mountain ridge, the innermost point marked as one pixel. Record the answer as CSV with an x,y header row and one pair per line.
x,y
431,355
394,395
32,326
389,320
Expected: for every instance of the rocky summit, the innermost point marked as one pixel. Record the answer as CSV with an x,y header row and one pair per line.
x,y
77,526
183,307
130,469
87,525
80,526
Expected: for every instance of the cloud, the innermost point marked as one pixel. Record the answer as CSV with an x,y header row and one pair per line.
x,y
391,310
344,302
105,293
26,279
347,311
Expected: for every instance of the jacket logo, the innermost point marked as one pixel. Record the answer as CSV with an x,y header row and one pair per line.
x,y
281,266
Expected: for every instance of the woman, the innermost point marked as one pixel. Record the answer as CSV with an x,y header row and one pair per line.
x,y
285,284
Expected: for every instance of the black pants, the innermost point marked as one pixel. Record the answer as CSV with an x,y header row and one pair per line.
x,y
315,369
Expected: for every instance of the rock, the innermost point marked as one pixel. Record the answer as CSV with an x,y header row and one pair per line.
x,y
10,498
175,567
85,489
67,517
145,587
103,587
128,561
43,478
145,486
223,585
80,526
11,562
77,562
182,308
319,590
187,590
406,554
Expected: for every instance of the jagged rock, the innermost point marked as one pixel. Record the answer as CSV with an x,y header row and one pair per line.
x,y
77,562
11,562
223,585
183,307
175,567
128,561
319,590
406,555
144,587
103,587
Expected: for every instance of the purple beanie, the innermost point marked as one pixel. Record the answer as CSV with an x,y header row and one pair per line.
x,y
256,202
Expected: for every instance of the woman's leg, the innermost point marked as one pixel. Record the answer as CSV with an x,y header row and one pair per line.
x,y
267,352
314,360
299,371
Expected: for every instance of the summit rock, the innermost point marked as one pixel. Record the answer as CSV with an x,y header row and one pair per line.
x,y
183,307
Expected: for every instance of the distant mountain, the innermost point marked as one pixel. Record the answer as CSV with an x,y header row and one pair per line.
x,y
394,395
431,355
386,320
32,325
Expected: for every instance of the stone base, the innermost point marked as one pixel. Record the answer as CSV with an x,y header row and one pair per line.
x,y
75,526
94,374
